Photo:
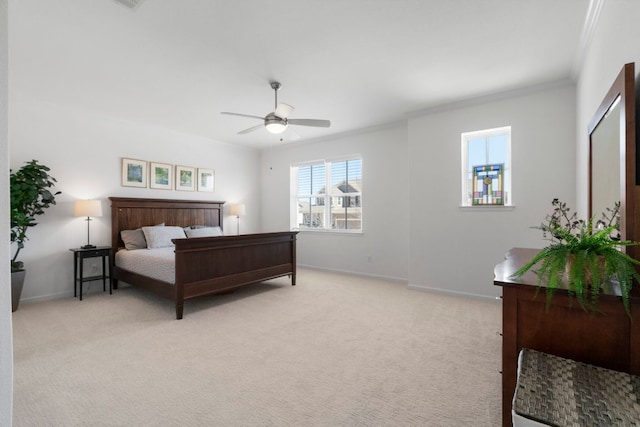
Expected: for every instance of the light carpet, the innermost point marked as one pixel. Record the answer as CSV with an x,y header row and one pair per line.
x,y
334,350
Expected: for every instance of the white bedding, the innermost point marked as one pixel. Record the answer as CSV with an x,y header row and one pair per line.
x,y
156,263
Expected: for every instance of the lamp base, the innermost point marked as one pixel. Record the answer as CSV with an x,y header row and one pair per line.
x,y
88,247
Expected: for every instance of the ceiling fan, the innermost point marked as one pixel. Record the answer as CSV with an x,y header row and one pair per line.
x,y
278,120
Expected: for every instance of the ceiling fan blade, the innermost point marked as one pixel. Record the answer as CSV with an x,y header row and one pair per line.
x,y
242,115
310,122
283,110
251,129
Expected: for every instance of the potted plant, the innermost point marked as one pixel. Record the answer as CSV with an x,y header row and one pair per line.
x,y
30,196
581,258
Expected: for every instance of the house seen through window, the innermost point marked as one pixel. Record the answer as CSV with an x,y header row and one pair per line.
x,y
327,195
486,167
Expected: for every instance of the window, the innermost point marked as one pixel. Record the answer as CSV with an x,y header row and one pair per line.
x,y
486,167
339,208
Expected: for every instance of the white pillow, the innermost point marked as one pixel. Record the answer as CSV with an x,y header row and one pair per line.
x,y
204,232
160,237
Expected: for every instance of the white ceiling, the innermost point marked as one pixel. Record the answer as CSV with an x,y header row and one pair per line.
x,y
359,63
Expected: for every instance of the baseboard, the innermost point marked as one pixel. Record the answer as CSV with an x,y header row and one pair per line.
x,y
68,294
43,298
354,273
453,293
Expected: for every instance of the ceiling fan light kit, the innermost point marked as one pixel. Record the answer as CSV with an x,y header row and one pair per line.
x,y
275,124
278,121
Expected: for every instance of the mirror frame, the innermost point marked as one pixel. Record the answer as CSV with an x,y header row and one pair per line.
x,y
623,87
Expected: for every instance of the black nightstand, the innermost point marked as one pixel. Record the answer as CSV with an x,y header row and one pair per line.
x,y
79,254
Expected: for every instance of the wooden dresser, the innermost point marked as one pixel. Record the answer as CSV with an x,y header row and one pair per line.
x,y
609,338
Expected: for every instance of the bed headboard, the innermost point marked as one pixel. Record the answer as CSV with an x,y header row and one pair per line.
x,y
131,213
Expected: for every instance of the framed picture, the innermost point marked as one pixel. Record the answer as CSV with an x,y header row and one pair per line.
x,y
134,173
206,179
161,176
185,178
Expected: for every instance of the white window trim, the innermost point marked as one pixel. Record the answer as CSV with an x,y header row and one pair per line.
x,y
487,208
464,160
294,197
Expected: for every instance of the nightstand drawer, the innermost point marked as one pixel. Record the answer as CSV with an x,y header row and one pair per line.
x,y
90,253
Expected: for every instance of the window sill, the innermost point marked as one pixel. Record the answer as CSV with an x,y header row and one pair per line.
x,y
487,208
338,232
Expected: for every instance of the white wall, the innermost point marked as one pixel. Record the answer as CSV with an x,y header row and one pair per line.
x,y
84,153
454,249
414,228
614,43
6,335
385,202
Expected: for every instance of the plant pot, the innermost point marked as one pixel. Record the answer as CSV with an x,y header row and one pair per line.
x,y
17,281
588,274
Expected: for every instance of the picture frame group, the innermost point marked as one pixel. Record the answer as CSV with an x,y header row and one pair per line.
x,y
165,176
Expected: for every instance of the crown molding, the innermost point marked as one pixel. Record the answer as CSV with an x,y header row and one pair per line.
x,y
490,97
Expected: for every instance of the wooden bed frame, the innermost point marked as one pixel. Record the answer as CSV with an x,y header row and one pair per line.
x,y
204,265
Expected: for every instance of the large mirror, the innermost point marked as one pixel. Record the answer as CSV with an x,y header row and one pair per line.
x,y
612,158
607,181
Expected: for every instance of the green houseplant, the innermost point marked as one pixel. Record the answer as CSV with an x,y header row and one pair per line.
x,y
30,195
581,258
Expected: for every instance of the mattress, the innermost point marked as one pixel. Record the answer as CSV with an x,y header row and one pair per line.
x,y
155,263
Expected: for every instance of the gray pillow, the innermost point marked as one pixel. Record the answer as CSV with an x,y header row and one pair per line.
x,y
160,237
204,232
191,227
133,239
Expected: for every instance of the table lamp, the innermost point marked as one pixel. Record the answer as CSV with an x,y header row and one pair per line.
x,y
88,208
237,210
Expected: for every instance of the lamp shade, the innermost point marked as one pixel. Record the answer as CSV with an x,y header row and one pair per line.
x,y
88,208
238,209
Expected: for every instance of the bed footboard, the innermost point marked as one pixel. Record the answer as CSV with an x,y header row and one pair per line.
x,y
214,264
